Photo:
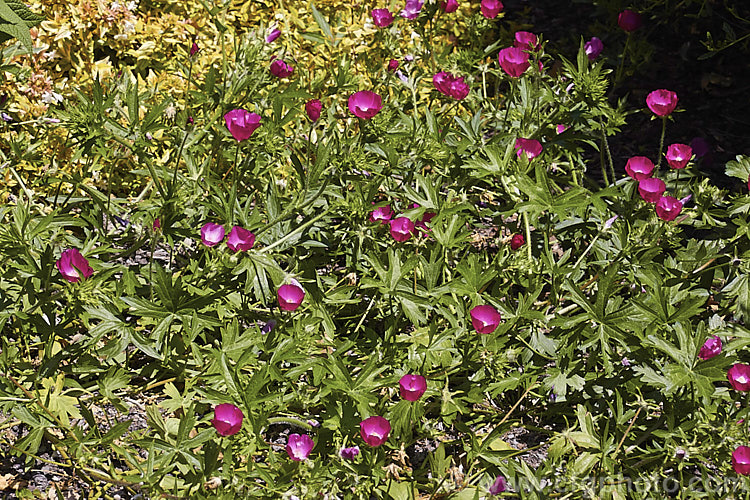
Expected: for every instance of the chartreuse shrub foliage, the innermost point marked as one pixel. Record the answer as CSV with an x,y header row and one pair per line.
x,y
360,278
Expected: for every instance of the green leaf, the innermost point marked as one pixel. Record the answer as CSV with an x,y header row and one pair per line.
x,y
322,23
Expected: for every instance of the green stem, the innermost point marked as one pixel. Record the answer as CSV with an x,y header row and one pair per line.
x,y
618,75
661,143
528,234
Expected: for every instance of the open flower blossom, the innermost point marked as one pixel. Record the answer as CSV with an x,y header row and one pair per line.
x,y
365,104
741,460
514,61
290,296
668,208
498,486
593,48
313,107
73,266
678,155
402,229
651,189
526,40
240,239
449,6
280,69
374,430
451,86
491,8
412,387
227,419
662,102
485,318
739,377
241,123
212,234
349,453
272,35
298,447
628,20
381,214
711,348
517,241
382,17
639,167
412,9
531,147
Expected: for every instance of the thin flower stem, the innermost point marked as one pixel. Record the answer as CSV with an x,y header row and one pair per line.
x,y
620,68
622,440
528,234
661,143
609,153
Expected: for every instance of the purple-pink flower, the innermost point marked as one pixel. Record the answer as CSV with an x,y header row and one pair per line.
x,y
491,8
280,69
668,208
449,6
382,17
678,155
374,430
365,104
290,296
662,102
628,20
412,9
381,214
240,239
412,387
517,241
514,61
531,147
711,348
272,35
298,447
73,266
451,86
593,48
313,107
498,486
392,65
639,167
741,460
402,229
349,453
485,318
560,128
739,377
526,40
241,123
227,419
651,189
194,49
212,234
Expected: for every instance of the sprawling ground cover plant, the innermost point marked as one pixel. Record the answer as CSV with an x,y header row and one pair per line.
x,y
415,271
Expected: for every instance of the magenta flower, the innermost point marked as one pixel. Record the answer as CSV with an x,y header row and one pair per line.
x,y
392,65
365,104
668,208
241,123
498,486
741,460
491,8
651,189
678,155
156,225
526,40
514,61
290,296
212,234
628,20
382,17
531,147
240,239
451,86
374,430
313,107
273,35
349,453
449,6
72,265
485,319
194,49
426,218
411,9
739,377
227,419
639,167
561,128
412,387
662,102
711,348
381,214
401,229
593,48
280,69
517,241
298,447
